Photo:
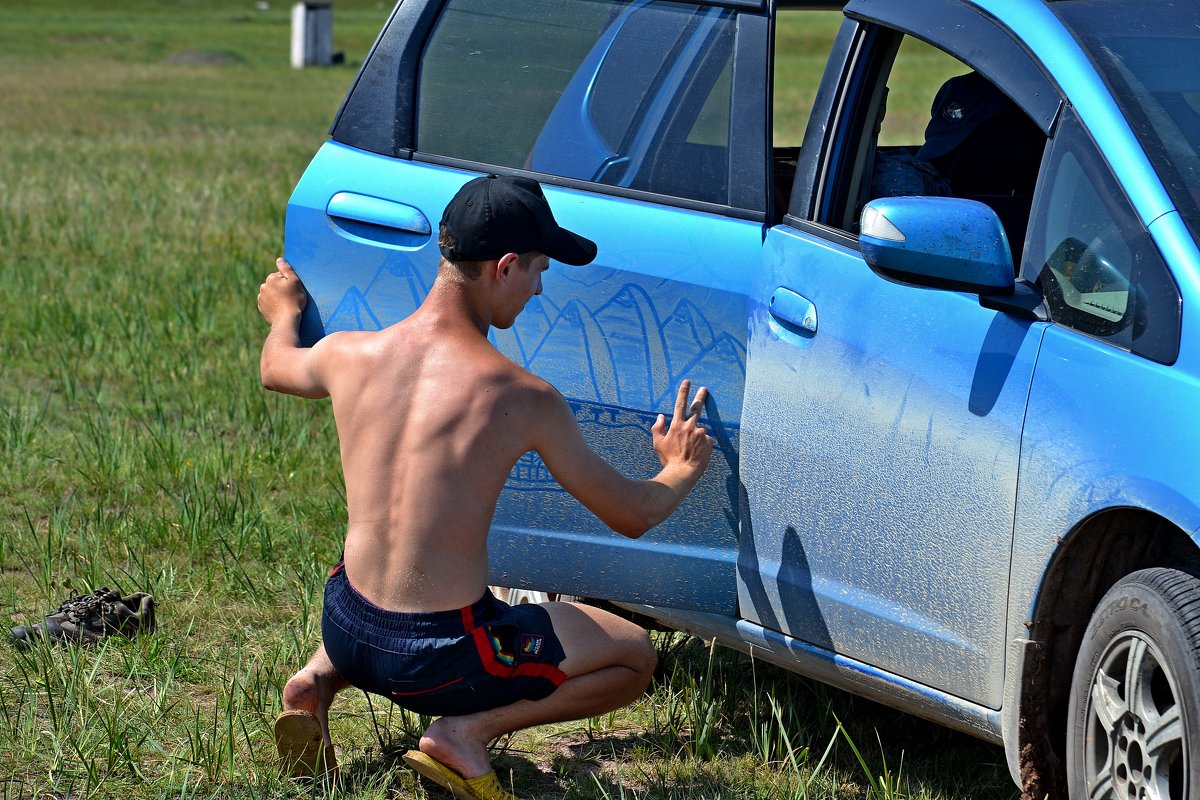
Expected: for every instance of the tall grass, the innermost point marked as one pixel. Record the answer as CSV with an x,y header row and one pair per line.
x,y
147,150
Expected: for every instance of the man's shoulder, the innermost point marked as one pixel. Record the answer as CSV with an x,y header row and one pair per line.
x,y
339,340
346,353
527,383
518,388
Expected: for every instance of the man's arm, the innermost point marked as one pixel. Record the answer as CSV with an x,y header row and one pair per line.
x,y
285,366
629,507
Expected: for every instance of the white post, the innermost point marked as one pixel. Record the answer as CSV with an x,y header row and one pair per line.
x,y
312,34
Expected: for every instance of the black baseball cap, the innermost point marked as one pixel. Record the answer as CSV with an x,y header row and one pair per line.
x,y
491,216
961,105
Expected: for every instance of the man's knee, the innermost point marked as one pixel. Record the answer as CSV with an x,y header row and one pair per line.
x,y
646,657
594,639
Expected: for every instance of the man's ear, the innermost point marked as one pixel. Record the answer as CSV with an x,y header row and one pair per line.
x,y
505,265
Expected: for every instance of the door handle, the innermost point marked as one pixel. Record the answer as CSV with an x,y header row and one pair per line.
x,y
793,311
374,218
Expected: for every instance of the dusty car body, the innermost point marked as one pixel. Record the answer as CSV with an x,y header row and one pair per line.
x,y
956,434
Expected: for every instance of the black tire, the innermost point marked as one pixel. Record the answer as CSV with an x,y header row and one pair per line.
x,y
1135,695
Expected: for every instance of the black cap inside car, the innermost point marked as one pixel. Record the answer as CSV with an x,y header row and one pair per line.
x,y
491,216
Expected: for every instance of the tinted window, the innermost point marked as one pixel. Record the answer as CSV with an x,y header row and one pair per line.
x,y
1096,266
635,95
491,74
1149,55
618,92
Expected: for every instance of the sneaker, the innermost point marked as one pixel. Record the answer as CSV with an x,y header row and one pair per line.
x,y
84,619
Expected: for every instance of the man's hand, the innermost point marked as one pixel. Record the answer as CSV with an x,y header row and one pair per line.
x,y
281,298
686,443
285,366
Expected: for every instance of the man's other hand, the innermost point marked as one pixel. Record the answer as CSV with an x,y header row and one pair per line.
x,y
281,298
686,443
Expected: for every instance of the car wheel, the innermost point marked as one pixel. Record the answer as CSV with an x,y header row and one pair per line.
x,y
1135,694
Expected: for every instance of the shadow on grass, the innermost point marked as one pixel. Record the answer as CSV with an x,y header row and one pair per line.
x,y
932,760
651,751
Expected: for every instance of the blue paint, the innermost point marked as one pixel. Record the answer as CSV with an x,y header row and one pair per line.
x,y
860,500
1105,429
869,681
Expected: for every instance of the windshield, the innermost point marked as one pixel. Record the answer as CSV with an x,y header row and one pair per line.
x,y
1149,55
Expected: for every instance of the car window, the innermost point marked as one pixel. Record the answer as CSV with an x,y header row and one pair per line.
x,y
628,94
803,41
492,72
934,127
1096,266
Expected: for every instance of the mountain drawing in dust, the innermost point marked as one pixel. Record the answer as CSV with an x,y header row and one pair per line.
x,y
613,348
689,333
575,357
634,334
397,290
354,313
625,354
522,340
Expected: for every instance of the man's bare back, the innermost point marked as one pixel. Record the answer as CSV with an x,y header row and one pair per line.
x,y
431,419
430,425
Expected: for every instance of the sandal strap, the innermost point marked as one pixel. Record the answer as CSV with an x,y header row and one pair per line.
x,y
487,787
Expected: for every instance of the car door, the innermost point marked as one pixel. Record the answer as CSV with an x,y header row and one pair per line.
x,y
882,420
456,88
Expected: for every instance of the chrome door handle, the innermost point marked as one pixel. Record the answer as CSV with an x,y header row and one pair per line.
x,y
793,310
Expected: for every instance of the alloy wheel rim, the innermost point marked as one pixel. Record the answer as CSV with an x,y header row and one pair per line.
x,y
1136,741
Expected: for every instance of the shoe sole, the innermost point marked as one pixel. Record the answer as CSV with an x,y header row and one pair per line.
x,y
302,749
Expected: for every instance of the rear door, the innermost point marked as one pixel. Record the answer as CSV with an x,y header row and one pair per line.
x,y
626,112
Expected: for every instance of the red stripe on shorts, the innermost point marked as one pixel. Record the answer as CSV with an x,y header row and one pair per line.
x,y
531,670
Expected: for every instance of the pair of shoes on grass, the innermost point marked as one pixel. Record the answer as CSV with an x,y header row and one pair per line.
x,y
85,619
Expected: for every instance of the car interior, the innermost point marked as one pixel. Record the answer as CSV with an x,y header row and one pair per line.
x,y
976,143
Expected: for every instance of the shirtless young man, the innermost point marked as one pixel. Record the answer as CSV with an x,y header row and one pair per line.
x,y
431,419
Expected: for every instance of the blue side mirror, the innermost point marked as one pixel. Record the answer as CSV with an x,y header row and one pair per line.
x,y
944,242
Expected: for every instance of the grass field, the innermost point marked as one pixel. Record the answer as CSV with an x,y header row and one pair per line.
x,y
147,151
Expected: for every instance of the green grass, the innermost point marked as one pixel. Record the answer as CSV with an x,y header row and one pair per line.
x,y
143,204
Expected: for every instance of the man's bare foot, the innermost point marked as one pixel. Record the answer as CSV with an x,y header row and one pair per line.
x,y
453,742
312,690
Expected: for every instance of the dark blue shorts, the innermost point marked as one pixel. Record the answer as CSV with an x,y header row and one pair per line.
x,y
446,663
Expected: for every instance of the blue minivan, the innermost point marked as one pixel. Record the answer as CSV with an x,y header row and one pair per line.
x,y
954,357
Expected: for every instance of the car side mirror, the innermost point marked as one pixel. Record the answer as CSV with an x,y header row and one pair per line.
x,y
941,242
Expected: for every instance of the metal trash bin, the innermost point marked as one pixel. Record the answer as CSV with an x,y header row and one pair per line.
x,y
312,34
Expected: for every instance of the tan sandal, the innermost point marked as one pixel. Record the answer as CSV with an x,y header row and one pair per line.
x,y
302,749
